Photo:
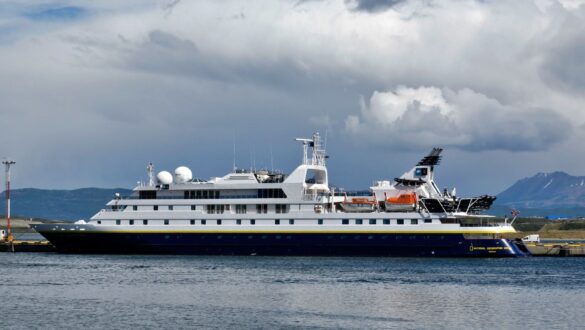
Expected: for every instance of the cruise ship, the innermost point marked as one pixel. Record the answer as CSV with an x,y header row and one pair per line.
x,y
261,212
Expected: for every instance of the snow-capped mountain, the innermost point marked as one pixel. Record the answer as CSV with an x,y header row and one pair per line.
x,y
557,189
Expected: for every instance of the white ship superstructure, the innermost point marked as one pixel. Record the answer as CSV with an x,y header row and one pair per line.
x,y
267,212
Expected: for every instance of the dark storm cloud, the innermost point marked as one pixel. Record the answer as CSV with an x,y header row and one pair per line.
x,y
165,53
563,67
372,5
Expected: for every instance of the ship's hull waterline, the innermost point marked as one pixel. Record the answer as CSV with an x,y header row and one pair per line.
x,y
282,244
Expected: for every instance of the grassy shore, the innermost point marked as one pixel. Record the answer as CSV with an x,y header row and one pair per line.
x,y
20,225
549,229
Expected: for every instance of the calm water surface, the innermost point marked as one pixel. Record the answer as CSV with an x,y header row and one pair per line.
x,y
48,290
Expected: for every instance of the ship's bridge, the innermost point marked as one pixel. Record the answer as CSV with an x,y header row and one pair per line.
x,y
312,173
313,178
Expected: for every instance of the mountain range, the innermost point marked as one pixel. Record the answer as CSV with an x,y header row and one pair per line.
x,y
543,194
555,194
557,189
59,204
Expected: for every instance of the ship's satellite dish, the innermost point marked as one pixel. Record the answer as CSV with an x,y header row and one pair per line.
x,y
164,177
183,174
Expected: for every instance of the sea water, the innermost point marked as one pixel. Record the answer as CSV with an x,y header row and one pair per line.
x,y
50,290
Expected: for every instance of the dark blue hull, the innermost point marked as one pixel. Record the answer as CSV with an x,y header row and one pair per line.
x,y
396,245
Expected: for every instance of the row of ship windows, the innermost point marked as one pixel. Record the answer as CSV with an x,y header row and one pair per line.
x,y
219,209
329,237
216,194
290,221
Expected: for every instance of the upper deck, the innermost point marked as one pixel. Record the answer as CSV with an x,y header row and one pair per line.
x,y
305,193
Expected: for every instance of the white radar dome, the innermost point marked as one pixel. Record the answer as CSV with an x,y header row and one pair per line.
x,y
164,177
183,174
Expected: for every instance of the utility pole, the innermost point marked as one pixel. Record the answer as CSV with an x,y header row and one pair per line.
x,y
9,238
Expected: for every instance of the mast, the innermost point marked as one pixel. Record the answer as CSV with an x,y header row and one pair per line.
x,y
318,155
150,170
7,164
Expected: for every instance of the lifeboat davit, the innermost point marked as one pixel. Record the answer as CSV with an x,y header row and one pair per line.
x,y
402,202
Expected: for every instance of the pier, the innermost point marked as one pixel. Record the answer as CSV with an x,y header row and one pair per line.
x,y
26,246
557,249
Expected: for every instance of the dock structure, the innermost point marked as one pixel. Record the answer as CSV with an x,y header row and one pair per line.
x,y
556,249
26,246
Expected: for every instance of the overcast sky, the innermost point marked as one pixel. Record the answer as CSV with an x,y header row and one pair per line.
x,y
90,92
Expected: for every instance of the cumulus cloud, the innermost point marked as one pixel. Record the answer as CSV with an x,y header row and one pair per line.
x,y
429,116
133,79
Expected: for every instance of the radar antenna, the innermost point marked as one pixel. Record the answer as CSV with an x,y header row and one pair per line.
x,y
318,153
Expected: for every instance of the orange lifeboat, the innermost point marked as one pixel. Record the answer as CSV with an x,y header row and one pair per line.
x,y
359,204
402,202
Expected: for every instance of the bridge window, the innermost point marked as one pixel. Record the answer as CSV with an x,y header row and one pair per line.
x,y
358,221
386,221
421,171
147,194
428,220
202,194
345,221
399,221
372,221
315,176
271,193
414,221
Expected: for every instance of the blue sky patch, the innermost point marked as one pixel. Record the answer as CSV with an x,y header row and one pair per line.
x,y
68,13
